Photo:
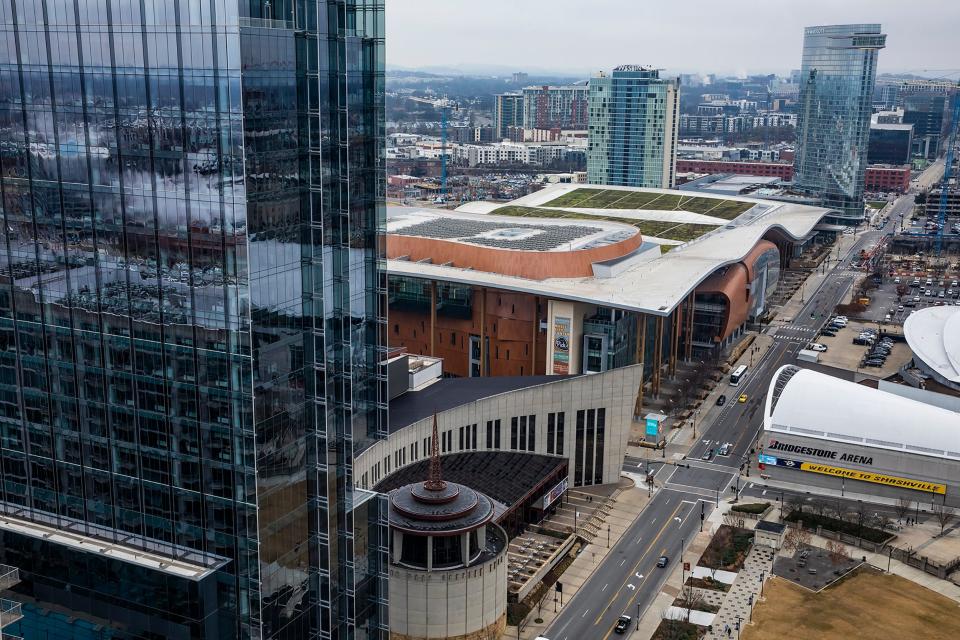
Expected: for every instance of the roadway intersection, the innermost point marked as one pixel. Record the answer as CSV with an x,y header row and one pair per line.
x,y
627,580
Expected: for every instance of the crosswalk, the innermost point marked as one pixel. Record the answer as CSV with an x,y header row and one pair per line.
x,y
795,334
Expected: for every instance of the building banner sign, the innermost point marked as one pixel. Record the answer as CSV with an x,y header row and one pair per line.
x,y
554,494
561,346
653,427
878,478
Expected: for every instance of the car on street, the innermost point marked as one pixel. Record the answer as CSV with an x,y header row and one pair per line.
x,y
721,400
623,624
742,398
663,561
707,455
816,346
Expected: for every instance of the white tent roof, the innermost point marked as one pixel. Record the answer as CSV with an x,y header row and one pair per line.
x,y
807,403
934,337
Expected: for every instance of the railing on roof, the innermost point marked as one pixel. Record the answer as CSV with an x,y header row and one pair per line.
x,y
10,612
9,576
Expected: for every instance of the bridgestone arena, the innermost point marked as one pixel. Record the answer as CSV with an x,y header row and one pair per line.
x,y
824,432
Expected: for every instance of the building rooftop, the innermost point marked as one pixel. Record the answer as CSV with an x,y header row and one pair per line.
x,y
449,393
711,231
772,527
806,403
934,337
506,232
891,126
504,476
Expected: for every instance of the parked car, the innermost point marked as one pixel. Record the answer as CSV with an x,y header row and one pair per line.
x,y
828,332
721,400
816,346
873,363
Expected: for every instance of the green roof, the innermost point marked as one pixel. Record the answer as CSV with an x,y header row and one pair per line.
x,y
617,199
679,231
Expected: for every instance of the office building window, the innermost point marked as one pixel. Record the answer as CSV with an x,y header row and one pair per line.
x,y
523,433
578,450
551,421
559,447
513,433
598,463
532,433
588,448
496,434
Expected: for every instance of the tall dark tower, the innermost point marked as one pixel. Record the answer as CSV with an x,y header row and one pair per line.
x,y
192,302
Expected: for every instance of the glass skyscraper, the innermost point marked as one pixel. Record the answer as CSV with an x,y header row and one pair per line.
x,y
837,77
634,120
192,302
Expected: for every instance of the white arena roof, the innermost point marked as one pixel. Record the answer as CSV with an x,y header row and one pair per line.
x,y
804,402
654,286
934,337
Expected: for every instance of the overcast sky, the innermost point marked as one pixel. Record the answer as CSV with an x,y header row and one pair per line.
x,y
724,36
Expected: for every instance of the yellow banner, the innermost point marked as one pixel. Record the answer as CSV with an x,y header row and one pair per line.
x,y
879,478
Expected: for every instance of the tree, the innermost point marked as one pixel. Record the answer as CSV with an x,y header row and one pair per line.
x,y
797,538
943,514
902,507
691,598
839,554
861,511
883,521
794,503
819,505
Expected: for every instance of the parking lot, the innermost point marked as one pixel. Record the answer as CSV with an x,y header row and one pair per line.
x,y
842,353
884,300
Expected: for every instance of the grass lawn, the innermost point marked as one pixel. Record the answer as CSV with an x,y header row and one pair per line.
x,y
682,232
869,604
611,199
877,204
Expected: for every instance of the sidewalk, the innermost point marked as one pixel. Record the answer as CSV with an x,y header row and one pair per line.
x,y
738,606
624,511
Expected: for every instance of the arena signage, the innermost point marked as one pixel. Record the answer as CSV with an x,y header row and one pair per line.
x,y
830,454
878,478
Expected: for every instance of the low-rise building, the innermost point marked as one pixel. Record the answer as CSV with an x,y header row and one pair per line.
x,y
887,178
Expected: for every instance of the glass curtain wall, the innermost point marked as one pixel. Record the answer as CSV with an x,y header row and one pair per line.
x,y
192,295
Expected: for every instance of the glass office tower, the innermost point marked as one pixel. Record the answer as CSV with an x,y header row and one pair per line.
x,y
634,121
838,71
192,301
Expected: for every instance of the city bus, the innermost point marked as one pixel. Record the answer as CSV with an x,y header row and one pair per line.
x,y
737,375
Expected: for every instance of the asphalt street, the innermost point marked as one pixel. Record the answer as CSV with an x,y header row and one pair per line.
x,y
627,580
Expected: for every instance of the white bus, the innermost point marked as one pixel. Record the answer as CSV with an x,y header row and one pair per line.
x,y
737,375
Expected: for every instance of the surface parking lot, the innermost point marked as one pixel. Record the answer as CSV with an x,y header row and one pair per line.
x,y
842,353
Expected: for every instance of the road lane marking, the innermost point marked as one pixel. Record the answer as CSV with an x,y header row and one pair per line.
x,y
604,587
585,613
623,561
637,566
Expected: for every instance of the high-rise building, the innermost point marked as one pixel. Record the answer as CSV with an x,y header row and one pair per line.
x,y
507,114
555,107
634,122
192,302
890,143
837,77
928,113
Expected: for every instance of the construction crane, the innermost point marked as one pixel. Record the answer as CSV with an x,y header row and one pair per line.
x,y
444,105
948,168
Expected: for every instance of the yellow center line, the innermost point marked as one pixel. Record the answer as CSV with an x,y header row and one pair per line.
x,y
662,552
637,566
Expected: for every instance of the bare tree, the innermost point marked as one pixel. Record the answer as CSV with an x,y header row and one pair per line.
x,y
691,598
670,628
861,511
943,514
797,538
819,505
903,507
839,553
883,521
794,503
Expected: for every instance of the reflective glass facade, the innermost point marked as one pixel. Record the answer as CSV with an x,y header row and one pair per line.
x,y
833,123
192,299
634,121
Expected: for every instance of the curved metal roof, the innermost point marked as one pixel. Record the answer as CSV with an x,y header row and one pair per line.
x,y
807,403
934,337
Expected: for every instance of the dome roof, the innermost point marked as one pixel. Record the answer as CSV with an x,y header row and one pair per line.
x,y
436,507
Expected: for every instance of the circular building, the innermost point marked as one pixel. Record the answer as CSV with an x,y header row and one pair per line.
x,y
934,338
448,561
